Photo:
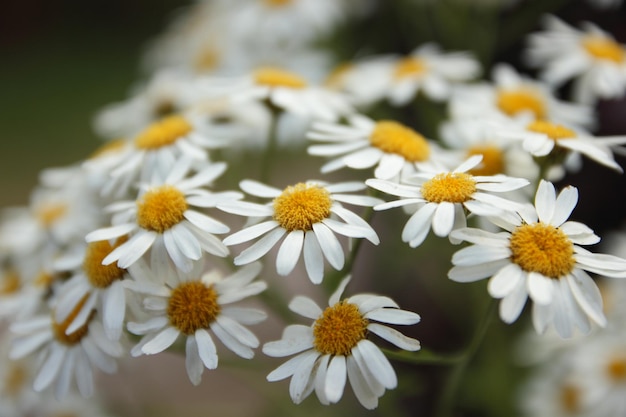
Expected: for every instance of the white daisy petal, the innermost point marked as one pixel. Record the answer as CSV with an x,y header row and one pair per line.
x,y
193,364
540,288
361,390
207,351
545,201
288,368
335,378
313,258
331,248
377,363
161,341
395,337
261,247
393,316
289,252
507,279
250,233
587,295
565,203
305,307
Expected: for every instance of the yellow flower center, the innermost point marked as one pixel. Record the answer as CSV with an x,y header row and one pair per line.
x,y
44,280
301,205
493,160
553,131
163,132
59,329
409,67
101,276
109,147
513,102
277,3
542,248
451,187
11,283
616,369
604,48
570,399
276,77
192,306
393,137
206,60
49,213
339,329
161,208
336,77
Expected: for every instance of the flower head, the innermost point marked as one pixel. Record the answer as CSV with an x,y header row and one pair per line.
x,y
335,348
539,256
306,214
196,306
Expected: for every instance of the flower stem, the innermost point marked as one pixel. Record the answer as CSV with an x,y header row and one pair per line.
x,y
446,402
272,142
423,357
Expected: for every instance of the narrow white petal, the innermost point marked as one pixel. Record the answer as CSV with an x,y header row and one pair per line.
x,y
50,368
259,189
481,237
359,385
301,384
231,342
476,272
331,248
395,337
114,310
587,295
505,281
320,378
161,341
289,252
540,288
237,331
336,295
389,166
245,208
152,324
511,306
193,364
250,233
110,232
377,363
132,250
206,348
545,200
416,229
261,247
393,316
305,307
336,376
205,223
565,203
289,367
313,258
479,254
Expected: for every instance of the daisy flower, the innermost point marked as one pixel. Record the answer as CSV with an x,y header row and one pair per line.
x,y
156,149
591,57
65,357
513,94
394,149
268,23
334,349
307,215
291,93
430,70
163,218
195,305
443,197
539,256
101,285
166,92
559,143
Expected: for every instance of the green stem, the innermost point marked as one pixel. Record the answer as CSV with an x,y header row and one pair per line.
x,y
422,357
446,400
272,142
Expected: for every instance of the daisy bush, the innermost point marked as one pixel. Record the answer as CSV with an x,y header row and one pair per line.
x,y
341,207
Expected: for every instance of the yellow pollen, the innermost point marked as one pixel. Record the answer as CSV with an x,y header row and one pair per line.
x,y
109,147
542,248
409,67
59,329
513,102
48,214
339,329
44,279
161,208
301,205
451,187
493,160
276,77
163,132
192,306
277,3
336,77
393,137
101,276
616,369
11,283
206,60
553,131
604,48
570,399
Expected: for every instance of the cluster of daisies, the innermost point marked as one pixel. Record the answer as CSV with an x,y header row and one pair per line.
x,y
137,250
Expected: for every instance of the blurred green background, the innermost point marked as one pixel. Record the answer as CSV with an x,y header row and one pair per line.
x,y
61,62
